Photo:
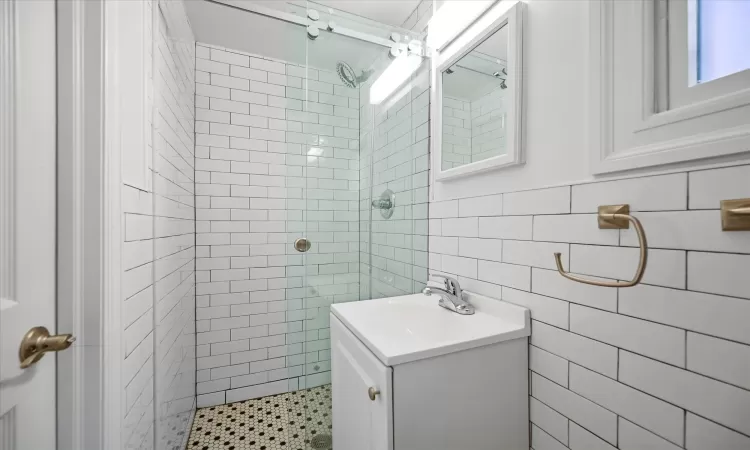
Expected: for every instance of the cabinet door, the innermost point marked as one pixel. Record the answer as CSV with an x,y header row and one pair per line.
x,y
358,422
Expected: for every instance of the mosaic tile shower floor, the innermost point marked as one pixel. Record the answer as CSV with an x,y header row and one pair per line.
x,y
288,421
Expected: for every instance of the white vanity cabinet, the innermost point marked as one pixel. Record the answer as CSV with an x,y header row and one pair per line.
x,y
363,423
409,375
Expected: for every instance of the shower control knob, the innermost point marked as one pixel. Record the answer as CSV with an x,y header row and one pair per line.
x,y
386,203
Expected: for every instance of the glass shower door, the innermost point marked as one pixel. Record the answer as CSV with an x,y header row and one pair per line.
x,y
329,132
329,129
394,194
345,155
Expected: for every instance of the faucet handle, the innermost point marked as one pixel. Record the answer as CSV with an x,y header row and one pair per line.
x,y
451,284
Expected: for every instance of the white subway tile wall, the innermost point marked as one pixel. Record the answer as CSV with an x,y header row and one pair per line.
x,y
278,158
472,130
137,287
661,365
456,145
488,125
158,253
394,156
419,18
175,226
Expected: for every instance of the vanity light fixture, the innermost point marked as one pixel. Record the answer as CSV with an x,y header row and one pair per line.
x,y
453,17
404,66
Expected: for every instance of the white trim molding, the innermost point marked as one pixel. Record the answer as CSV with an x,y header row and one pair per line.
x,y
112,222
502,14
88,216
111,218
7,148
633,121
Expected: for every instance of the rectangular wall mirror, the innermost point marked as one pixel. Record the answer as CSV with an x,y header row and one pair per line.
x,y
477,96
474,106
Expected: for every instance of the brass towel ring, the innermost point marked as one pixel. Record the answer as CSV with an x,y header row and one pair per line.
x,y
615,217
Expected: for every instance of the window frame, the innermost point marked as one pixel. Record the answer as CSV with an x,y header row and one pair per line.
x,y
683,87
638,120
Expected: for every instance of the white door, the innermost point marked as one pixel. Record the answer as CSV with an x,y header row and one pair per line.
x,y
360,421
27,221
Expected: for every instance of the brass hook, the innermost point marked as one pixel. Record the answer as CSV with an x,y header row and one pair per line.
x,y
615,217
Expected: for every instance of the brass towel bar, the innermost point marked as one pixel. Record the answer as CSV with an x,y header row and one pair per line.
x,y
615,217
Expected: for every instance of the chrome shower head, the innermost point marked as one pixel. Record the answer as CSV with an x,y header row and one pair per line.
x,y
349,77
346,73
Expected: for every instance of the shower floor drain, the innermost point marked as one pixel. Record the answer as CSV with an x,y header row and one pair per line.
x,y
321,442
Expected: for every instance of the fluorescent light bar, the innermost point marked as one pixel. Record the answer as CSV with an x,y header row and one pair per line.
x,y
394,76
452,18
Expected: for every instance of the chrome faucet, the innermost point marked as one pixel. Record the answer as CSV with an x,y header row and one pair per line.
x,y
451,297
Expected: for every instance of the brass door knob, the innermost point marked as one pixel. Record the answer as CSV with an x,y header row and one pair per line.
x,y
37,342
302,245
372,393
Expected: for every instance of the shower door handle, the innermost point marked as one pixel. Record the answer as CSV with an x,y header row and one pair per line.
x,y
302,245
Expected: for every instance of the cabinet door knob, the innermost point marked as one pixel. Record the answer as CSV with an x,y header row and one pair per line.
x,y
372,393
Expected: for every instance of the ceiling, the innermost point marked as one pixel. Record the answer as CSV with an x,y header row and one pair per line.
x,y
487,58
468,85
496,45
389,12
238,29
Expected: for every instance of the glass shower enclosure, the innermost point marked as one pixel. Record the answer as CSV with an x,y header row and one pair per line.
x,y
364,201
335,209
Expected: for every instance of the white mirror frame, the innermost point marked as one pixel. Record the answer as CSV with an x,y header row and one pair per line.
x,y
504,13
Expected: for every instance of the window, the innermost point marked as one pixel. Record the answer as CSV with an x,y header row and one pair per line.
x,y
707,43
672,82
719,33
